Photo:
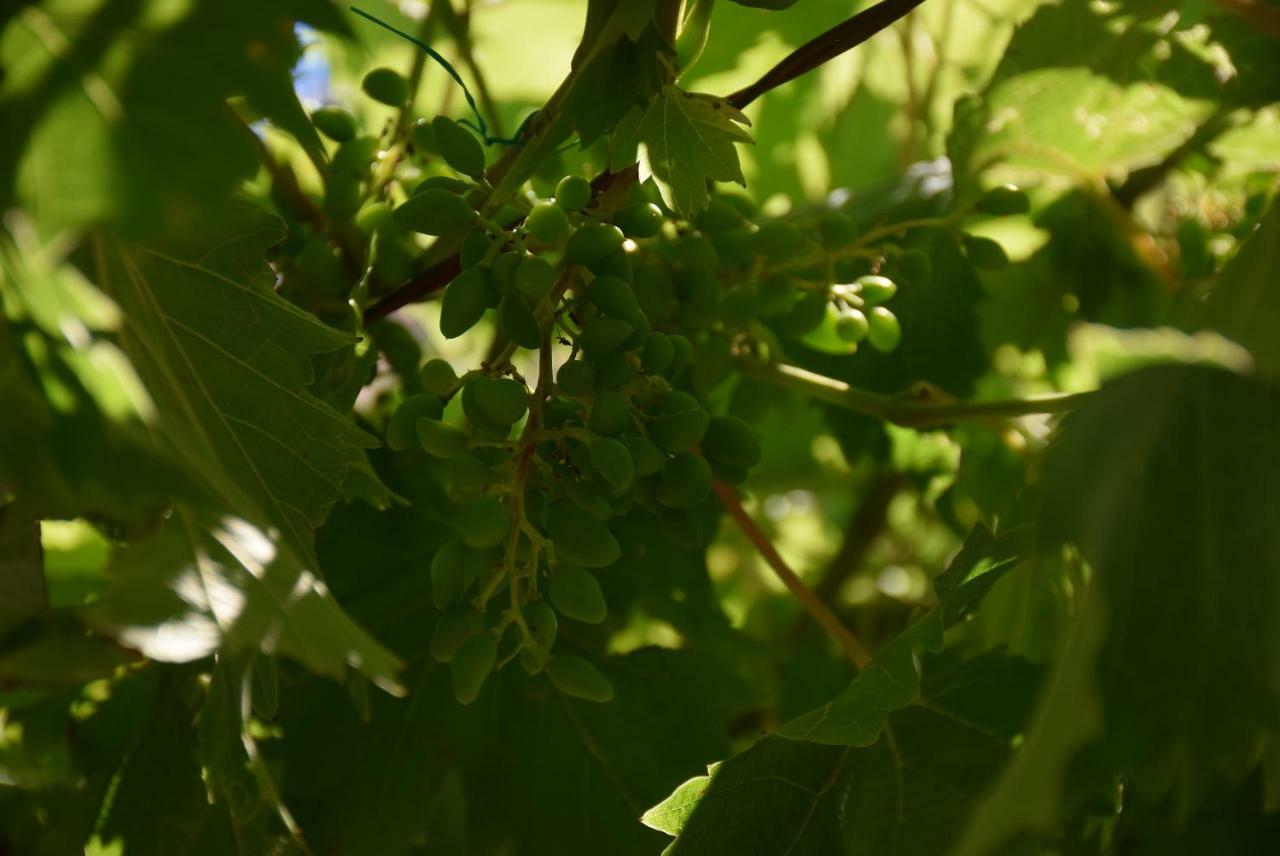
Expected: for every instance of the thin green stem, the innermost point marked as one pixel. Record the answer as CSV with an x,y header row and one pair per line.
x,y
909,412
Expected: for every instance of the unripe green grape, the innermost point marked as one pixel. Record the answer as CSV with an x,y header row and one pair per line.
x,y
483,522
739,306
851,325
875,289
681,354
517,321
435,212
613,296
440,439
686,481
576,677
576,378
573,193
465,301
915,267
612,462
580,540
543,626
342,195
735,247
639,335
424,139
658,353
576,594
646,457
615,264
454,627
805,316
777,293
655,292
683,526
592,243
386,86
681,422
613,371
883,330
437,376
610,413
459,148
335,123
475,246
560,411
640,220
696,254
777,240
441,182
1003,201
727,473
587,497
402,429
455,568
603,334
534,278
466,477
471,665
838,229
548,224
373,217
732,441
503,270
495,401
985,253
718,216
354,157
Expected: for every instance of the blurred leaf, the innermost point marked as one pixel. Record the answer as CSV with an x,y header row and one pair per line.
x,y
22,587
1245,302
1169,482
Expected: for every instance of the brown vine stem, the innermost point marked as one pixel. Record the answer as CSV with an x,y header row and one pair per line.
x,y
821,49
853,649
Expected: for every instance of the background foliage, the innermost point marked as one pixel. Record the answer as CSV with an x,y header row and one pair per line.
x,y
217,597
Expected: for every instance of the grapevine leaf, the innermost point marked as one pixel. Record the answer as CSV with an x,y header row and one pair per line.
x,y
682,139
1169,482
795,771
225,360
907,792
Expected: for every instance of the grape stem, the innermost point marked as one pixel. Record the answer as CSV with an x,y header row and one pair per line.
x,y
925,407
831,625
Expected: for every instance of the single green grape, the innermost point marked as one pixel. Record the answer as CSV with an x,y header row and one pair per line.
x,y
452,629
470,667
1004,201
610,413
851,325
517,320
658,353
548,224
883,330
438,376
455,568
640,220
581,540
611,460
484,522
875,289
576,677
386,86
573,193
592,243
614,296
465,301
731,441
441,440
435,212
576,594
335,123
459,147
494,401
685,482
603,334
534,278
680,424
475,247
402,430
576,378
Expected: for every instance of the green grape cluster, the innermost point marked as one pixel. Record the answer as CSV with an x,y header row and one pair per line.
x,y
635,315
